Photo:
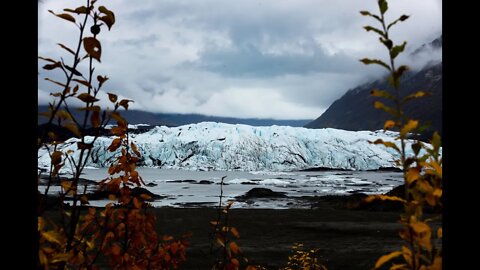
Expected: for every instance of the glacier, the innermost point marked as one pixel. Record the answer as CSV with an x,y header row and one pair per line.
x,y
219,146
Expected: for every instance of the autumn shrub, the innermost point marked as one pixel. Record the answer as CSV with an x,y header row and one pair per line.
x,y
121,234
303,259
223,245
422,172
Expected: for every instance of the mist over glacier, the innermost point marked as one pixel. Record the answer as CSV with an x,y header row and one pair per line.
x,y
219,146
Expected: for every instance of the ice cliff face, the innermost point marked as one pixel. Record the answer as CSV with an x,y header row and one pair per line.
x,y
216,146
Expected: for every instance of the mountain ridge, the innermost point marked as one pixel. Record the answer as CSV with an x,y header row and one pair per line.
x,y
355,111
136,117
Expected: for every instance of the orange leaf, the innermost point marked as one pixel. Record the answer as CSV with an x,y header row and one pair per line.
x,y
137,203
92,47
95,119
124,103
84,199
85,97
66,48
56,157
55,82
167,238
64,16
174,248
385,258
115,144
235,232
78,10
109,19
73,128
234,247
116,250
87,84
389,124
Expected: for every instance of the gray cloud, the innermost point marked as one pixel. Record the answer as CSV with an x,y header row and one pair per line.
x,y
254,58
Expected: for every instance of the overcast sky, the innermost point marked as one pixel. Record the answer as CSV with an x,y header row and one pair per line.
x,y
282,59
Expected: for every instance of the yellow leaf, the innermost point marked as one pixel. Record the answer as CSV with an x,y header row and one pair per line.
x,y
234,247
412,175
220,242
378,105
67,185
437,263
389,124
437,168
41,223
52,236
407,255
61,257
385,258
430,199
43,258
73,128
419,227
439,233
384,198
411,125
399,267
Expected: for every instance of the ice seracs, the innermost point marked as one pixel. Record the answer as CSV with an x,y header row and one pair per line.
x,y
218,146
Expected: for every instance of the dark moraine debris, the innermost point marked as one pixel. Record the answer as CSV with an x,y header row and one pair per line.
x,y
249,183
205,182
151,184
323,169
182,181
55,181
389,169
262,193
136,192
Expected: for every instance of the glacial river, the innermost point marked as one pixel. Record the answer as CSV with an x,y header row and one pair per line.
x,y
183,188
